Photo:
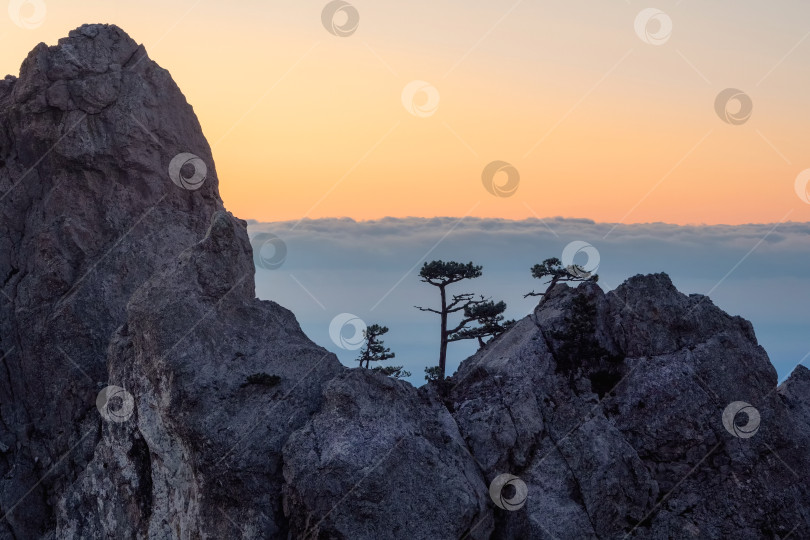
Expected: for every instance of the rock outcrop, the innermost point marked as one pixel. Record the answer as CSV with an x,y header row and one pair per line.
x,y
382,459
629,440
208,440
87,215
146,393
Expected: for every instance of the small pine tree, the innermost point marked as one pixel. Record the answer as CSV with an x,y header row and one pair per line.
x,y
432,373
392,371
555,272
374,350
489,316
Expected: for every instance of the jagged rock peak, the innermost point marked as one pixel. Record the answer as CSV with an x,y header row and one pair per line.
x,y
89,210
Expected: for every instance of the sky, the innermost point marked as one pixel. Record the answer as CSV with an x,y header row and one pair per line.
x,y
323,269
599,109
605,112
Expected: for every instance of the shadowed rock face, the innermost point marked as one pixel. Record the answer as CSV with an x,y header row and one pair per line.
x,y
87,214
202,453
651,458
396,452
608,406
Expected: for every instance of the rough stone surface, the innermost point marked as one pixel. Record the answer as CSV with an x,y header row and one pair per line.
x,y
206,442
380,445
87,214
651,458
608,406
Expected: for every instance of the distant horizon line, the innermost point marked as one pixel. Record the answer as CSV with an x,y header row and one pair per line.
x,y
586,221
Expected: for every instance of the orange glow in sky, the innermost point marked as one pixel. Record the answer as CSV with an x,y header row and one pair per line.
x,y
598,123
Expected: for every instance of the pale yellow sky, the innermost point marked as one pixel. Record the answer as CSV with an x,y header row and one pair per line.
x,y
598,123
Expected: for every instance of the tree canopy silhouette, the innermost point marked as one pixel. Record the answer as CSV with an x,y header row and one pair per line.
x,y
488,314
374,350
553,270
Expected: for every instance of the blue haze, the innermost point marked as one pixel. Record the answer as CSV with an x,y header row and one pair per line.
x,y
369,269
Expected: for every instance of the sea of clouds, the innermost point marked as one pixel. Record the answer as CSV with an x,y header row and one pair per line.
x,y
323,268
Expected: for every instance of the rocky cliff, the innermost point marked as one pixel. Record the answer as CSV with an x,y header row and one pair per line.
x,y
146,393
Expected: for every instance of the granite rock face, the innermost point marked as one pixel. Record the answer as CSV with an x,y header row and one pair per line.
x,y
146,393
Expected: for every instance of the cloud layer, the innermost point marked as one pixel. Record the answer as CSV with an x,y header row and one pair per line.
x,y
369,269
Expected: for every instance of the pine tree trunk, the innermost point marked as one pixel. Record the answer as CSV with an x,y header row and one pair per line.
x,y
443,343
